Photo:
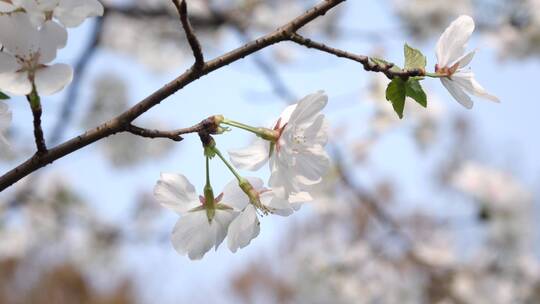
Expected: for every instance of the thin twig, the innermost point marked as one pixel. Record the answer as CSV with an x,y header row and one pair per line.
x,y
38,131
369,65
153,133
207,126
190,34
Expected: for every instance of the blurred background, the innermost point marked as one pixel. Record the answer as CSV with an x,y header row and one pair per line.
x,y
440,207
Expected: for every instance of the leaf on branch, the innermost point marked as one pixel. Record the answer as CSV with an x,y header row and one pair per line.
x,y
414,90
395,93
3,96
414,59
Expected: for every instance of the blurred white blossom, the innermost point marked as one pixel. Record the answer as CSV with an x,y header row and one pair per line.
x,y
424,18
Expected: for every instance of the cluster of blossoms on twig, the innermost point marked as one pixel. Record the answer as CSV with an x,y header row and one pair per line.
x,y
31,33
294,149
450,69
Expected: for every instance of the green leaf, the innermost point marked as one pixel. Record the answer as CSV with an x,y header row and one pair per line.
x,y
395,93
414,59
383,62
414,90
3,96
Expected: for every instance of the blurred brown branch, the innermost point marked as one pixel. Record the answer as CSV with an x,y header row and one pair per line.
x,y
190,34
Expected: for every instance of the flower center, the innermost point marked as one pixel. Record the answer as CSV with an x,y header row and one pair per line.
x,y
29,64
279,131
446,71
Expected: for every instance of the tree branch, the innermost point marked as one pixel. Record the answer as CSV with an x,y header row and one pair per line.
x,y
153,133
208,126
121,122
190,34
369,64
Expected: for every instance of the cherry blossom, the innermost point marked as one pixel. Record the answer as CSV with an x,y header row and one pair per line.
x,y
26,53
451,61
70,13
5,121
246,225
296,155
203,224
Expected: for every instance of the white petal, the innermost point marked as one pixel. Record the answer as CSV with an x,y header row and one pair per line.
x,y
253,157
280,178
278,205
8,63
5,121
234,197
466,80
286,115
194,235
15,83
73,12
174,191
51,79
221,221
466,59
5,116
3,140
313,165
457,93
317,132
308,107
243,229
24,40
297,199
52,37
453,41
37,5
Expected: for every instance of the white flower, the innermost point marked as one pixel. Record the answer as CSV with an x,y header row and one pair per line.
x,y
246,225
5,121
27,50
201,225
297,158
70,13
451,62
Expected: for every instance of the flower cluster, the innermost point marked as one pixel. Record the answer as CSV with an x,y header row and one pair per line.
x,y
450,70
294,149
31,32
